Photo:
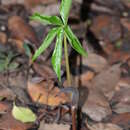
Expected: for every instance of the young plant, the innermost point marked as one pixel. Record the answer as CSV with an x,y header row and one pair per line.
x,y
61,31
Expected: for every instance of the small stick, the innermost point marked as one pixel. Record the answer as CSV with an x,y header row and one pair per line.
x,y
73,112
74,93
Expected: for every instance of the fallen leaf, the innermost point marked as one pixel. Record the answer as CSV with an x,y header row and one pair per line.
x,y
3,38
107,80
44,70
103,25
4,107
121,100
7,93
121,120
45,126
96,105
96,62
22,34
45,93
7,122
103,126
23,114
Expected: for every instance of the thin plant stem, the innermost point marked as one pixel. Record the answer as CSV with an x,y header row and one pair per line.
x,y
73,112
67,61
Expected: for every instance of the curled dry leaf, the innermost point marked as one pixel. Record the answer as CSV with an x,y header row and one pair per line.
x,y
46,93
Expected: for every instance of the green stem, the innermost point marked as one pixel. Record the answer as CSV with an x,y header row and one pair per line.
x,y
67,61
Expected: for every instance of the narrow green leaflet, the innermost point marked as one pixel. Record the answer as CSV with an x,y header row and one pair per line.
x,y
57,54
22,114
74,42
64,10
27,49
51,35
55,20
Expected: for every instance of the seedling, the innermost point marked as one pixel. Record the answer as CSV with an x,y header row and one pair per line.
x,y
6,62
62,32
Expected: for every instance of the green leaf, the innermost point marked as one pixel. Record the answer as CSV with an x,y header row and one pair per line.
x,y
23,114
54,20
51,35
57,54
27,49
74,42
64,10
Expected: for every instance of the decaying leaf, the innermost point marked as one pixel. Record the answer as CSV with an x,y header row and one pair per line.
x,y
23,114
101,126
4,107
46,93
7,122
21,31
6,93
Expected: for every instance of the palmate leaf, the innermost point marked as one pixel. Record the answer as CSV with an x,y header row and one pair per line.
x,y
22,114
54,20
74,42
64,10
51,35
57,54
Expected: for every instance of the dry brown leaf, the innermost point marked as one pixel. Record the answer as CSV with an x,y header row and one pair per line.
x,y
121,119
7,122
4,107
7,93
96,105
45,93
95,61
44,70
126,23
103,25
33,3
21,31
103,126
83,79
44,126
107,80
3,38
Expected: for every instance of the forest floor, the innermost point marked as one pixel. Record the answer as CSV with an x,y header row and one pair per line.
x,y
102,78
